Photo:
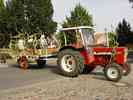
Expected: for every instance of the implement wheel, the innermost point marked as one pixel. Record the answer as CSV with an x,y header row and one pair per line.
x,y
23,62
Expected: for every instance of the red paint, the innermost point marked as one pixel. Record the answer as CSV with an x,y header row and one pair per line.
x,y
88,59
119,58
104,59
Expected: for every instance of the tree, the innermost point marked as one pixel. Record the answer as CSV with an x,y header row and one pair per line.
x,y
4,25
79,17
34,16
131,1
123,30
123,27
27,16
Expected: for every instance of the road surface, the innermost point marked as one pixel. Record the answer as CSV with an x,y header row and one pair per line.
x,y
11,76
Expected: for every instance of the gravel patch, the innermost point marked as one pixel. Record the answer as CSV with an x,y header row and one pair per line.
x,y
84,87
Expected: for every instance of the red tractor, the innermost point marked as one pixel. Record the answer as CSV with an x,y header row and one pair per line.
x,y
79,53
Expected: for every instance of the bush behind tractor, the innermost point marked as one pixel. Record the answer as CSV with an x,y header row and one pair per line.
x,y
79,53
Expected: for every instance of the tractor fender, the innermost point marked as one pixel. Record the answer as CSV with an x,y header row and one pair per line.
x,y
83,52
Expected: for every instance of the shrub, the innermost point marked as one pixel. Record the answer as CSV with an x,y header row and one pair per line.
x,y
5,56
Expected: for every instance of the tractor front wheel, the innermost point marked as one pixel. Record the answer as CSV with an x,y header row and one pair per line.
x,y
113,72
70,63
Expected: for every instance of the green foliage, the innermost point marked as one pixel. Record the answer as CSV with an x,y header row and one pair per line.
x,y
112,39
131,1
7,22
4,40
123,27
5,56
1,4
27,16
13,45
61,39
67,37
34,16
79,17
123,30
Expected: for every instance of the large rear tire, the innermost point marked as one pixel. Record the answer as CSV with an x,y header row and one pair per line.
x,y
113,72
70,63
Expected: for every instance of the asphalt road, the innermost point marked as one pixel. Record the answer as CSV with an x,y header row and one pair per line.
x,y
11,76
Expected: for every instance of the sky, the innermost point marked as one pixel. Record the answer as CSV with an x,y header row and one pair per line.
x,y
106,13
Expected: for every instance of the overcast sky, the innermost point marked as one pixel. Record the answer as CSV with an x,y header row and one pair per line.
x,y
105,12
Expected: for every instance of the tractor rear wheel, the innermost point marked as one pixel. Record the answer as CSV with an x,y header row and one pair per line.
x,y
70,63
113,72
